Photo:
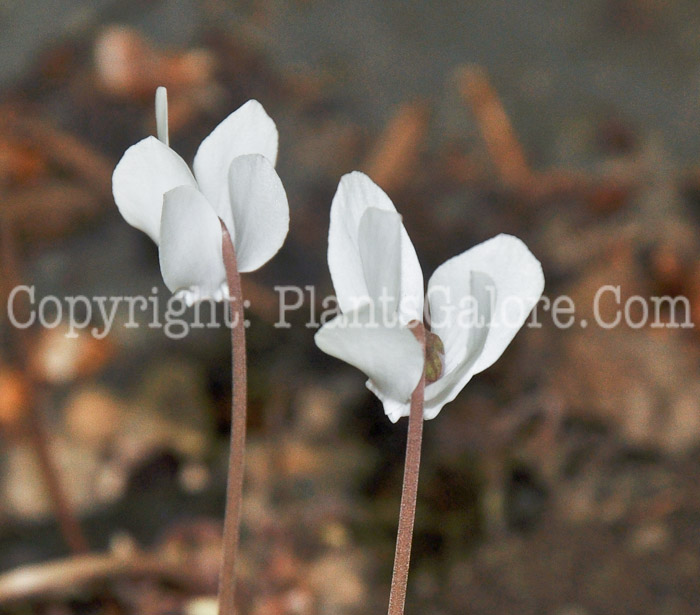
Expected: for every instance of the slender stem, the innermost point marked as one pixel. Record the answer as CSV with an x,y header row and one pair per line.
x,y
234,488
409,493
39,439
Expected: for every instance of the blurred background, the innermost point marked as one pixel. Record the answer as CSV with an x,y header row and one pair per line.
x,y
565,480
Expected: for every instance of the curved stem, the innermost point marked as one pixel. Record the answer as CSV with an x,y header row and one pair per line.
x,y
409,493
234,487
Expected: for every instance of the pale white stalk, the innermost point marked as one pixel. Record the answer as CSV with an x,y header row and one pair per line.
x,y
162,115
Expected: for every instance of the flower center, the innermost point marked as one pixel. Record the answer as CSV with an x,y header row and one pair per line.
x,y
434,356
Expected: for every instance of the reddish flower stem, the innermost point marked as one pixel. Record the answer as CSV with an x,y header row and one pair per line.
x,y
409,493
234,488
35,430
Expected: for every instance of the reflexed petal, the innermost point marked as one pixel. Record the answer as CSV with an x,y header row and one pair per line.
x,y
469,330
260,211
390,356
392,408
248,130
519,282
379,239
450,300
356,192
144,174
191,259
503,264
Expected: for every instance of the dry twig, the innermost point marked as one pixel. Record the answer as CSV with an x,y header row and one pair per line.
x,y
393,159
61,578
33,423
498,134
64,150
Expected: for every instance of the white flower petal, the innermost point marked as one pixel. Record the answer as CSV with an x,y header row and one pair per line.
x,y
248,130
191,259
393,408
379,239
450,301
506,281
391,356
472,332
259,208
145,173
519,282
357,192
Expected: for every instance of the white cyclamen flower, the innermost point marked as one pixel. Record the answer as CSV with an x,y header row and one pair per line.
x,y
234,180
477,302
